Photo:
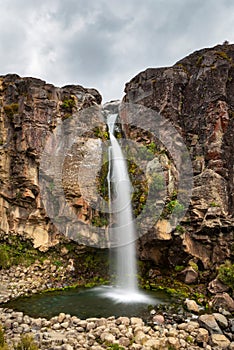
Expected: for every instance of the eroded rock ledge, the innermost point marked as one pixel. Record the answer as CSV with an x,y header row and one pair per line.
x,y
30,109
196,95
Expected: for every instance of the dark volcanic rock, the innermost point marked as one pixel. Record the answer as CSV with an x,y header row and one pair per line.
x,y
196,95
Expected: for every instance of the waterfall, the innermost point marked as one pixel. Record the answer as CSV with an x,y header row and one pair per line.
x,y
122,231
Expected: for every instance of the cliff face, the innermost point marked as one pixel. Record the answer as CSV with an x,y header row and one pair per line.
x,y
197,96
30,109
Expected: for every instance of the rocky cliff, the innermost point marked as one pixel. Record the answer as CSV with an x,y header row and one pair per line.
x,y
197,96
30,110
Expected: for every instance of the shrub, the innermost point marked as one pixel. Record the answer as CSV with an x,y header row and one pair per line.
x,y
26,343
2,339
3,344
199,60
4,257
115,347
68,104
226,274
174,206
179,268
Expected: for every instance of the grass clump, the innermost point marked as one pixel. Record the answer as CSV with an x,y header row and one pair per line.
x,y
16,252
26,343
3,345
226,274
68,104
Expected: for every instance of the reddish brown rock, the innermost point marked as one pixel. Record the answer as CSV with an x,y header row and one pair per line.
x,y
30,109
196,96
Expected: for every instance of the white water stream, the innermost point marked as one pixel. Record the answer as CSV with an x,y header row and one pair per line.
x,y
122,231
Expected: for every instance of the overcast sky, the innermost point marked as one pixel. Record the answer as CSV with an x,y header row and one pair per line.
x,y
105,43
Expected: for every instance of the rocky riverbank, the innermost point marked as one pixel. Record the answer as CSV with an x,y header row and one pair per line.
x,y
162,328
66,332
22,280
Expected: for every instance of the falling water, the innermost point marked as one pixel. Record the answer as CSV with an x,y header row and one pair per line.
x,y
122,231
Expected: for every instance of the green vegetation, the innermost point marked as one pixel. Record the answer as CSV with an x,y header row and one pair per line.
x,y
180,229
152,147
16,251
193,265
189,339
214,204
102,183
100,221
226,274
26,343
179,268
199,60
11,109
68,104
174,206
157,183
2,338
114,347
100,133
223,55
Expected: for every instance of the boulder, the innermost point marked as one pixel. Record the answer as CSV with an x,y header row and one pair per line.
x,y
219,341
208,322
192,305
216,286
223,300
190,275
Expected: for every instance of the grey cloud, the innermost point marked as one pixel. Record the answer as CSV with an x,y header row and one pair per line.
x,y
105,43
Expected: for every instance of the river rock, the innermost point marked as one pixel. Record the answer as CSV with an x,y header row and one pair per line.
x,y
223,300
219,341
124,341
61,317
65,324
107,337
209,322
202,335
190,275
221,320
140,337
216,286
136,321
192,305
158,319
